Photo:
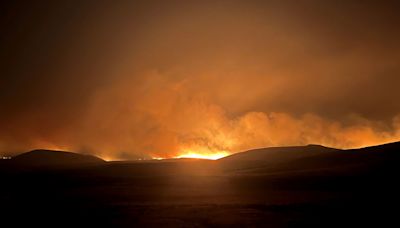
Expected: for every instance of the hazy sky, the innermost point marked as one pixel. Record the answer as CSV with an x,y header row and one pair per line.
x,y
131,79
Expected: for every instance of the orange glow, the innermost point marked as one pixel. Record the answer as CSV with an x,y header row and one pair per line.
x,y
210,155
108,158
199,79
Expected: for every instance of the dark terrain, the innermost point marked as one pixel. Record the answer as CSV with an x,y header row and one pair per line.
x,y
310,186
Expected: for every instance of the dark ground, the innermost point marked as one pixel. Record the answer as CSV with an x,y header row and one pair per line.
x,y
310,186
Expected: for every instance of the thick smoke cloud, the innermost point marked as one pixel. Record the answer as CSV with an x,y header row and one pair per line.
x,y
126,80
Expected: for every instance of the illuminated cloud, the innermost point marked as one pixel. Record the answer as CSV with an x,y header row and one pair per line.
x,y
137,80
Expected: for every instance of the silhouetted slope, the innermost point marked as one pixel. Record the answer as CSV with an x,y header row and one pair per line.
x,y
54,158
272,156
277,154
368,156
310,157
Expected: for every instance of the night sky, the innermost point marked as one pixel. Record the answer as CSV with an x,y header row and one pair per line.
x,y
143,79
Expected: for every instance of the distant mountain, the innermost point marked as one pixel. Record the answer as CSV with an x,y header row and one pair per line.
x,y
260,161
54,158
277,154
310,157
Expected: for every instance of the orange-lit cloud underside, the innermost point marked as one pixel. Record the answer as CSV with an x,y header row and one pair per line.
x,y
165,79
162,119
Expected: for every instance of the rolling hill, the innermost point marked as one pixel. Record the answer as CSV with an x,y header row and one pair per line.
x,y
310,157
51,158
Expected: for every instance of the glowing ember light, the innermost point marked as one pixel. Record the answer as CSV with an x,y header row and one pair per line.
x,y
107,158
211,156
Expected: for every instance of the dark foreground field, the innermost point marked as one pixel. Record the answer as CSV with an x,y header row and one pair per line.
x,y
276,187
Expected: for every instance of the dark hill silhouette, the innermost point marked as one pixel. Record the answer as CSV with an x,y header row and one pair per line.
x,y
310,157
54,158
274,154
273,157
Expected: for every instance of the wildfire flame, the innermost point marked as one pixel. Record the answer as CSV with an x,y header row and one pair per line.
x,y
208,155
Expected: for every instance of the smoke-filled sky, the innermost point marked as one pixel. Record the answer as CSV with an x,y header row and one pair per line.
x,y
142,79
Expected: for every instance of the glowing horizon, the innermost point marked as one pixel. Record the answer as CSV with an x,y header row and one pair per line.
x,y
199,155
